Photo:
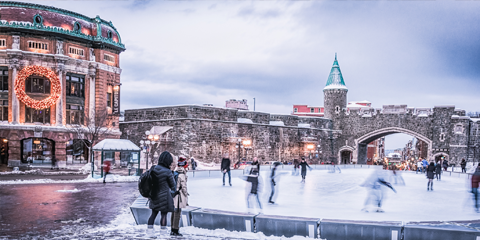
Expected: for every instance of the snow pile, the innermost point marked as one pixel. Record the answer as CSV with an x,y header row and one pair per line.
x,y
207,166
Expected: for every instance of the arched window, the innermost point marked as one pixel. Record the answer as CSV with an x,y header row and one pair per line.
x,y
109,35
77,27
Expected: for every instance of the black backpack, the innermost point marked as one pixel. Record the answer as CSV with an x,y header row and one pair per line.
x,y
145,183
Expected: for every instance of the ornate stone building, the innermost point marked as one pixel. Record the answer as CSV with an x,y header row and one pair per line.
x,y
57,69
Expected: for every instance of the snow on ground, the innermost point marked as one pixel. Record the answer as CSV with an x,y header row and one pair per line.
x,y
340,196
207,166
89,179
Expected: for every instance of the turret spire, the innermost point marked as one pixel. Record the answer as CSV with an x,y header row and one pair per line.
x,y
335,79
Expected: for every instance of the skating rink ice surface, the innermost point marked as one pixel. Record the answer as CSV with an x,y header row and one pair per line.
x,y
340,196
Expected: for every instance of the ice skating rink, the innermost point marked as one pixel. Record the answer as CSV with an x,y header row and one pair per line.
x,y
340,196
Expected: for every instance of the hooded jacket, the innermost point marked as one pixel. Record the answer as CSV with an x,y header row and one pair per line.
x,y
181,200
161,198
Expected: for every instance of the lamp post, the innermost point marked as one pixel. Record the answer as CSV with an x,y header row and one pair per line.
x,y
149,143
238,145
310,149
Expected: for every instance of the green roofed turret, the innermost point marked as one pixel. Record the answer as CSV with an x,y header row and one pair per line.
x,y
335,79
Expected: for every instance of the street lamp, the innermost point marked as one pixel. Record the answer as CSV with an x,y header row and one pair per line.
x,y
310,148
246,144
149,143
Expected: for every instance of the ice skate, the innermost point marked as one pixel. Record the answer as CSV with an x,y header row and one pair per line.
x,y
150,233
364,209
379,210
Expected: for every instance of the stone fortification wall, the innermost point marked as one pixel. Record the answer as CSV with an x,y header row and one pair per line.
x,y
194,135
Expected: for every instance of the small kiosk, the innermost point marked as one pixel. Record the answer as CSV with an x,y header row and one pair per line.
x,y
117,145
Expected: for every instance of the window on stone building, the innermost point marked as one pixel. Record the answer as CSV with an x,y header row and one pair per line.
x,y
74,114
109,100
37,45
33,115
109,58
3,43
3,110
4,79
76,51
75,85
37,84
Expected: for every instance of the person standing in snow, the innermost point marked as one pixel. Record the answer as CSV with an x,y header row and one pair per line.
x,y
438,170
475,181
106,169
304,166
225,168
463,164
180,199
375,185
430,175
161,199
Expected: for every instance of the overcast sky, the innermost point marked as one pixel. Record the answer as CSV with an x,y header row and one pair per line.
x,y
419,53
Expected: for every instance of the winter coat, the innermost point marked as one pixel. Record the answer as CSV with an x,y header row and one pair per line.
x,y
463,164
163,183
476,178
438,168
181,200
304,166
424,162
445,163
106,166
225,165
430,171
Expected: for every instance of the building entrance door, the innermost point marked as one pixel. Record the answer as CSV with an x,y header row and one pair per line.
x,y
3,151
345,157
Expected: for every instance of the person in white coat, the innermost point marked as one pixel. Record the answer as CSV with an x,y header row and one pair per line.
x,y
375,185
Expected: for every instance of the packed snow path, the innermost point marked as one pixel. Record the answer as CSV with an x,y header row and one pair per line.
x,y
340,196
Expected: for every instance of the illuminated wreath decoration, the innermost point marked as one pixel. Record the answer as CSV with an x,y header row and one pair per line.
x,y
55,84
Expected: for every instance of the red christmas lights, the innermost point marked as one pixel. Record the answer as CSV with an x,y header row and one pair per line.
x,y
55,84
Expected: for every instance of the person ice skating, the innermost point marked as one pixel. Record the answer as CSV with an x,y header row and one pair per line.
x,y
445,165
425,165
430,175
106,169
254,181
161,199
475,181
225,167
304,166
274,179
375,185
463,164
296,167
181,195
193,163
419,167
438,170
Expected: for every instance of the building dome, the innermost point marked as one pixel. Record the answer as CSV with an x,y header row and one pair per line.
x,y
29,18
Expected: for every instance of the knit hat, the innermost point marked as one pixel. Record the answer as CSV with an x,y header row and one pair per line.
x,y
182,162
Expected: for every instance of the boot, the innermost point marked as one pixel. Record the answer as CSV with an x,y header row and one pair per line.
x,y
150,232
431,186
428,186
175,233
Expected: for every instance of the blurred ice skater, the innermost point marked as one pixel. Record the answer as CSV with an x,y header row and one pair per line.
x,y
430,175
296,167
274,179
438,171
304,166
375,185
254,181
397,176
475,181
334,168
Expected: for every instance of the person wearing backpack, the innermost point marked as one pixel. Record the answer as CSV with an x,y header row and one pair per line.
x,y
161,199
180,199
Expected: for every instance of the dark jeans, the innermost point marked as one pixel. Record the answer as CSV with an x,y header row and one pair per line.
x,y
229,177
464,170
272,183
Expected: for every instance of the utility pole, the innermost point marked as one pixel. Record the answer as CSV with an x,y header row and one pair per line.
x,y
254,104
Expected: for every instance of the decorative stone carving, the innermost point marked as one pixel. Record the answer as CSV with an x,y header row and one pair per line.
x,y
92,55
16,42
59,47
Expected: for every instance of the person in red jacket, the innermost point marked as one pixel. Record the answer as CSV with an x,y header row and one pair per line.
x,y
106,169
475,181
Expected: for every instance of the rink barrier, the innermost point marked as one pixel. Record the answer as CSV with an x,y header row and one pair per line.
x,y
142,213
287,226
440,230
240,172
333,229
215,219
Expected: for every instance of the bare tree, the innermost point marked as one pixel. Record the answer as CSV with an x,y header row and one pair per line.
x,y
92,130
